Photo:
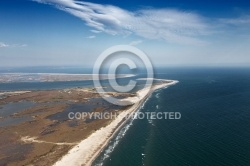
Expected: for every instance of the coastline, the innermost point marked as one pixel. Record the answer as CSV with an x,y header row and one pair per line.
x,y
52,77
88,149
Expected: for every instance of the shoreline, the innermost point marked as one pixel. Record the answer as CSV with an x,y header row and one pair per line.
x,y
89,149
52,77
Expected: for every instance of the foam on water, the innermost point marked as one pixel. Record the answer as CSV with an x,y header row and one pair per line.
x,y
157,95
115,141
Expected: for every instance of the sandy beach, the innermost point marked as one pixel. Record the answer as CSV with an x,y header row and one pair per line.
x,y
88,149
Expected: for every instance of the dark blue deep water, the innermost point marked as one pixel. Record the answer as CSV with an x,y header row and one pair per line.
x,y
214,129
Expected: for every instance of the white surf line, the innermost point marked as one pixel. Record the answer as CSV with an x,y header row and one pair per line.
x,y
28,139
89,148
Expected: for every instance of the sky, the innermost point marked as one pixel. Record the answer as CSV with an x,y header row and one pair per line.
x,y
74,33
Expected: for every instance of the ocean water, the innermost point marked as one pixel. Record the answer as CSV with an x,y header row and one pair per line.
x,y
214,129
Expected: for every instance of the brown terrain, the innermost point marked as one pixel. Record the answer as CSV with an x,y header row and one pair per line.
x,y
47,133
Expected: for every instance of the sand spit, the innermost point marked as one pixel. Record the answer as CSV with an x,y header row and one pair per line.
x,y
88,149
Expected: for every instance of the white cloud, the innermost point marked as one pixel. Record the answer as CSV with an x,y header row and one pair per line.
x,y
91,37
19,45
164,24
95,31
243,20
136,42
3,45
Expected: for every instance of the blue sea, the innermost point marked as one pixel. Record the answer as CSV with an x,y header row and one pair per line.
x,y
214,129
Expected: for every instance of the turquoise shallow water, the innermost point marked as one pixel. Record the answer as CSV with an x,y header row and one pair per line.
x,y
214,128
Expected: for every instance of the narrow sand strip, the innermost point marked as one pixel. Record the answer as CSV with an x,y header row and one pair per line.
x,y
33,140
88,149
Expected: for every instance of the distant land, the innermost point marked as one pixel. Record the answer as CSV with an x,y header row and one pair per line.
x,y
51,77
